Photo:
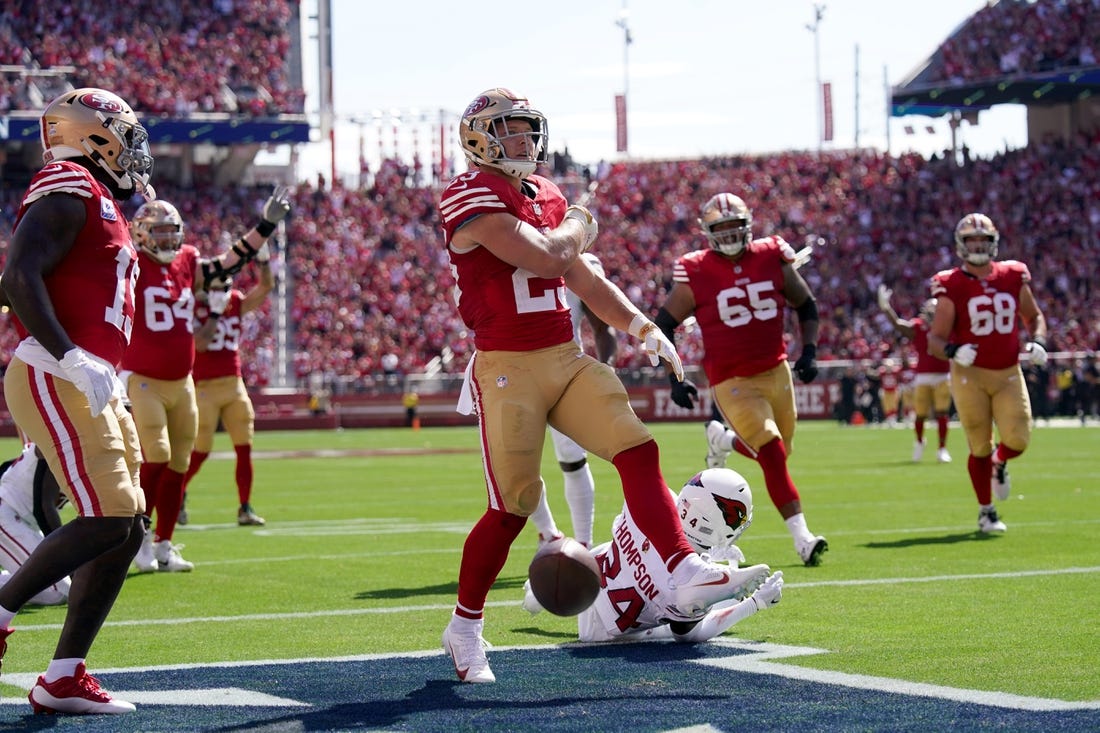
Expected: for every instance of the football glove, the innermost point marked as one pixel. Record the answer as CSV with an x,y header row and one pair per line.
x,y
275,210
656,344
684,393
884,294
94,379
1037,353
218,300
806,367
963,355
591,226
770,593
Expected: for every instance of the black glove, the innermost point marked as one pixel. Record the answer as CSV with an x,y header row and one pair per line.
x,y
684,393
806,367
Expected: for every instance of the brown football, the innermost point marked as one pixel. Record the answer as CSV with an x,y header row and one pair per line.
x,y
564,577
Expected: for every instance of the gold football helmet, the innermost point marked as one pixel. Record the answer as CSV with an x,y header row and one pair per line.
x,y
98,125
976,225
484,130
727,222
158,229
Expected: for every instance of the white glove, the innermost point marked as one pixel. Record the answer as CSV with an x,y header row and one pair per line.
x,y
731,554
1037,353
656,344
884,294
217,301
277,205
591,226
263,254
94,379
964,355
770,593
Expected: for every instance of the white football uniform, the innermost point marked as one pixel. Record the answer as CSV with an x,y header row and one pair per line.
x,y
19,530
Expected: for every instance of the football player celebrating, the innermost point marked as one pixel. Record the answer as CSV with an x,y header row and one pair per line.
x,y
219,386
975,325
931,391
514,244
580,487
158,363
715,509
738,289
69,279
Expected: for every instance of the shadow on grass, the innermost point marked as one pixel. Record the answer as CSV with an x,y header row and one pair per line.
x,y
433,590
949,539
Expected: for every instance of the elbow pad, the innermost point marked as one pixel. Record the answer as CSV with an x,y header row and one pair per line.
x,y
807,311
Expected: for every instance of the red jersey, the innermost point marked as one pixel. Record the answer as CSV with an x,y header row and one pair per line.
x,y
739,306
163,346
508,308
92,288
986,310
222,357
890,379
926,363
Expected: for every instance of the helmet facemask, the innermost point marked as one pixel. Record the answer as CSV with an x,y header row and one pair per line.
x,y
157,228
98,125
983,238
726,222
487,135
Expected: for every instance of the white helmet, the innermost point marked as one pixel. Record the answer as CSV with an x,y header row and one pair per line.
x,y
484,128
717,214
976,225
715,508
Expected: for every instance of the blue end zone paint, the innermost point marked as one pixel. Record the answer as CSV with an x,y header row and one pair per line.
x,y
638,687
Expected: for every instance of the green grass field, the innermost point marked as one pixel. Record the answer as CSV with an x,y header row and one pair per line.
x,y
361,555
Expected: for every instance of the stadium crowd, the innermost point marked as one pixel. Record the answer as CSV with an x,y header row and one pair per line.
x,y
1014,37
171,59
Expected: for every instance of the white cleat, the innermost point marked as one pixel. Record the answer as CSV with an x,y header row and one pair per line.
x,y
812,550
716,454
989,522
530,604
918,451
710,583
169,559
467,651
943,456
145,561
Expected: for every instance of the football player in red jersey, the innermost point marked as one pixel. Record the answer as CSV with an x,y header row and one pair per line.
x,y
158,363
514,244
931,391
69,278
978,306
219,386
738,289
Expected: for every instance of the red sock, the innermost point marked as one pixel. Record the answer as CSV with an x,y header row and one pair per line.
x,y
918,426
1003,453
743,448
197,459
650,502
981,473
483,557
773,461
941,424
150,484
169,501
244,473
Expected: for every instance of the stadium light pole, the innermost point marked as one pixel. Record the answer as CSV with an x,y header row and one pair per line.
x,y
819,12
624,14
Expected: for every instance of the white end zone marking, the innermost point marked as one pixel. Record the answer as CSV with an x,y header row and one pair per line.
x,y
758,662
216,696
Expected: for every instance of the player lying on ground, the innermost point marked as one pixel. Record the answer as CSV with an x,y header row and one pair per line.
x,y
715,508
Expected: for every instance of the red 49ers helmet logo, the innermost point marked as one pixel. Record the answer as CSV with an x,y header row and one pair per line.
x,y
476,106
101,102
